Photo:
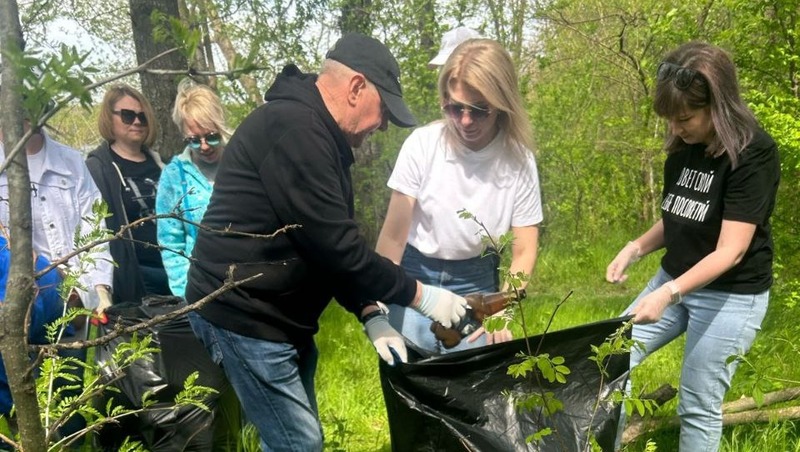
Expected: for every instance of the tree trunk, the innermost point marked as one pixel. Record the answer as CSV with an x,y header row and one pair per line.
x,y
19,287
228,49
159,89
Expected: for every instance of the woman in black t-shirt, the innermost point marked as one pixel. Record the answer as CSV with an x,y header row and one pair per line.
x,y
720,181
126,171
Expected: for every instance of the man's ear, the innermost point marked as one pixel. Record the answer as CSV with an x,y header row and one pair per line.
x,y
356,88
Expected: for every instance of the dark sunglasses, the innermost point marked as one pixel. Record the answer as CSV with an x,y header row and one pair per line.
x,y
128,116
212,139
681,76
456,110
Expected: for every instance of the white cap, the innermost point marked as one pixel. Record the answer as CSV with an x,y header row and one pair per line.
x,y
450,41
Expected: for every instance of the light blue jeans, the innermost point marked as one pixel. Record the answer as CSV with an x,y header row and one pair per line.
x,y
274,382
462,277
717,325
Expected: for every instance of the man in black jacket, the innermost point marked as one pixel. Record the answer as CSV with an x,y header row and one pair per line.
x,y
289,164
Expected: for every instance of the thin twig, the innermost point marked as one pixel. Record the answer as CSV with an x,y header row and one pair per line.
x,y
119,330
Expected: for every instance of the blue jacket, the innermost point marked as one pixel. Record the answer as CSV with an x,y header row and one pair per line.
x,y
47,307
182,189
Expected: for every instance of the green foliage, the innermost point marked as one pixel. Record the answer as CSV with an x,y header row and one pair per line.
x,y
338,436
545,400
171,30
57,407
46,77
539,435
618,343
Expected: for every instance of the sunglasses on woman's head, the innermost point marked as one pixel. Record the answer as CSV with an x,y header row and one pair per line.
x,y
681,76
128,116
456,110
195,141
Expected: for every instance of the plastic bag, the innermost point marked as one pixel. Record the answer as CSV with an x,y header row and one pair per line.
x,y
186,429
465,401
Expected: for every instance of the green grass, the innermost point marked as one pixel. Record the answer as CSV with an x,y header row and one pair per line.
x,y
349,392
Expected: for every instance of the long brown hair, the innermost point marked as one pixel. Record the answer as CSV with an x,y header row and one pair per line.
x,y
715,87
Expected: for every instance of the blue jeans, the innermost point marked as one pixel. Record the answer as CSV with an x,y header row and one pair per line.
x,y
717,325
478,274
274,382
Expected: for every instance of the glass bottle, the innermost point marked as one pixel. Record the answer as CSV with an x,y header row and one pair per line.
x,y
480,306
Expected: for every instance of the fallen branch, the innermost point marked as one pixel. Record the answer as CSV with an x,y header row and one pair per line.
x,y
737,412
770,398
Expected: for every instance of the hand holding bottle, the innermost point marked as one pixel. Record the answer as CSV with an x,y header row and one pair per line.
x,y
480,307
441,305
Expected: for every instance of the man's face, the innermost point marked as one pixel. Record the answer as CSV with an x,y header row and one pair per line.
x,y
370,115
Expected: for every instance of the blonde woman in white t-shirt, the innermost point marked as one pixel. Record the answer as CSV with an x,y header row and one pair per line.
x,y
477,158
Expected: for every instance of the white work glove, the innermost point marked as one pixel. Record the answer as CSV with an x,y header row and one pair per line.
x,y
104,297
441,305
615,272
384,337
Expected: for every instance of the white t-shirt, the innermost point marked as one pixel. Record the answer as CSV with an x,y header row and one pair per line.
x,y
499,186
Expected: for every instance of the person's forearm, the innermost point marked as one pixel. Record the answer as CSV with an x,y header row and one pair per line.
x,y
417,296
524,251
707,270
393,237
652,240
390,248
735,238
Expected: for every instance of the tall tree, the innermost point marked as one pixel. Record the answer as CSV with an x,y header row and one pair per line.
x,y
160,89
19,289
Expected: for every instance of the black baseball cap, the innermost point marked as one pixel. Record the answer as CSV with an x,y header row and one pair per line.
x,y
370,57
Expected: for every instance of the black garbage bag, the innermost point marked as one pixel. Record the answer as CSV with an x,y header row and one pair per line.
x,y
186,429
466,400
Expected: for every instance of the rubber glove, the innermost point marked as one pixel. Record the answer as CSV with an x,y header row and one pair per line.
x,y
441,305
615,273
385,338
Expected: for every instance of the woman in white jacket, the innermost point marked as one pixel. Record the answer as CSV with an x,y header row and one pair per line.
x,y
62,196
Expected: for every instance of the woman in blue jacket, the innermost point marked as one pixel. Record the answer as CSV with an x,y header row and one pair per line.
x,y
185,185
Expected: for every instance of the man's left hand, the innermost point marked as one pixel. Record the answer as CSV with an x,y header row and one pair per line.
x,y
384,337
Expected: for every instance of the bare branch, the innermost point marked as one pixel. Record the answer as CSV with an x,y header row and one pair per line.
x,y
119,330
135,224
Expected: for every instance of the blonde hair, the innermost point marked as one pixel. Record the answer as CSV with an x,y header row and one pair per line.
x,y
105,121
202,105
485,66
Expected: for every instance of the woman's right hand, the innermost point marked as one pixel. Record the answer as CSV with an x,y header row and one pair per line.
x,y
615,272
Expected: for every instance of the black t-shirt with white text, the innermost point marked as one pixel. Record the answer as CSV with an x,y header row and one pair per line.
x,y
139,197
700,191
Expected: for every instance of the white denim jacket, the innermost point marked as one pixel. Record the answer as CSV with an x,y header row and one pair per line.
x,y
64,199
